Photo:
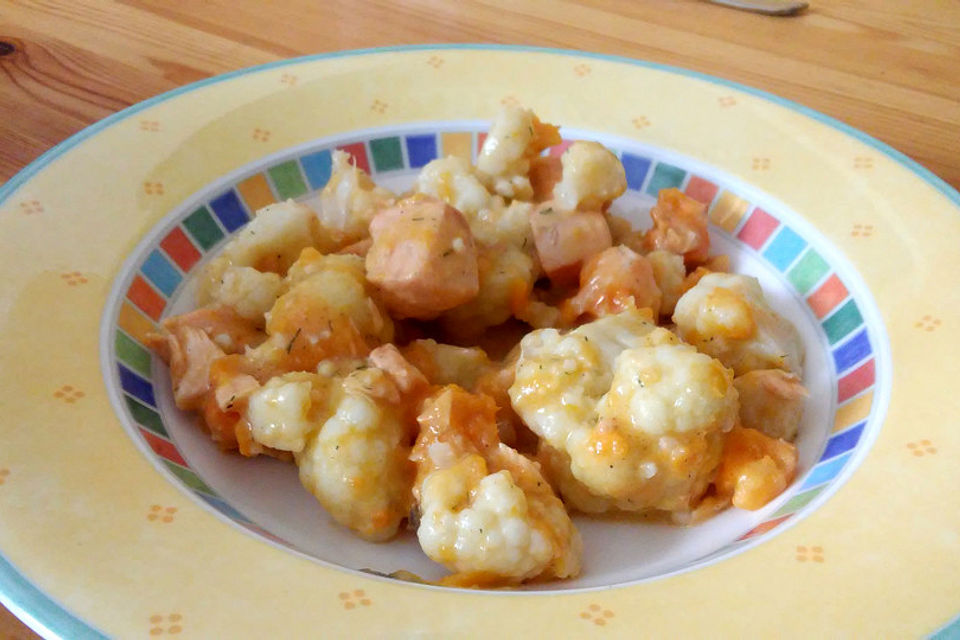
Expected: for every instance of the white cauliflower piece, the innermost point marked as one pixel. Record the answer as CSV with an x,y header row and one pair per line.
x,y
247,291
669,272
635,424
516,137
312,261
491,221
347,203
335,294
486,511
327,312
270,242
569,373
349,438
285,411
474,521
273,239
669,388
507,275
726,316
508,224
357,464
448,364
455,181
592,177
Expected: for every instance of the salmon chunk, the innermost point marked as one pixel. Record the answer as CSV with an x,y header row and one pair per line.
x,y
567,239
423,258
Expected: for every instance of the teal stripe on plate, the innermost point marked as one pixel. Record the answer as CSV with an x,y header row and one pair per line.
x,y
665,176
387,154
784,248
950,631
204,229
163,275
145,416
43,614
842,322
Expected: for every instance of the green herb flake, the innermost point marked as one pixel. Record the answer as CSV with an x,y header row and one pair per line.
x,y
292,340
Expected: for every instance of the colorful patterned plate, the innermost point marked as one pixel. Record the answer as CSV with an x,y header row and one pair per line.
x,y
106,229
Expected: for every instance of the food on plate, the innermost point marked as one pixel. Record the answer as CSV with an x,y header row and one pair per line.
x,y
479,358
771,401
629,417
725,315
485,510
679,226
422,258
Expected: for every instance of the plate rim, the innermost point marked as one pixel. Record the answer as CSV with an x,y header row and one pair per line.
x,y
49,618
928,176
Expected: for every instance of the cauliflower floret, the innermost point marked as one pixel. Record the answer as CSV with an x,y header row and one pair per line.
x,y
447,364
356,464
592,177
350,438
455,181
726,316
312,261
637,418
570,372
285,411
669,272
336,290
271,242
473,521
486,512
328,312
669,389
347,203
771,401
249,292
516,137
508,224
507,275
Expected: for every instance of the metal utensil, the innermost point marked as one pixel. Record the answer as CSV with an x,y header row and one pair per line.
x,y
767,7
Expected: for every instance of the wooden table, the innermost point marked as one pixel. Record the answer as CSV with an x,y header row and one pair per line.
x,y
888,67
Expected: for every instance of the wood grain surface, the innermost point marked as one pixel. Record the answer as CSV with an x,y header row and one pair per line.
x,y
888,67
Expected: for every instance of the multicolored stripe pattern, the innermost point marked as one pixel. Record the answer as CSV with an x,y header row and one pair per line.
x,y
165,266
